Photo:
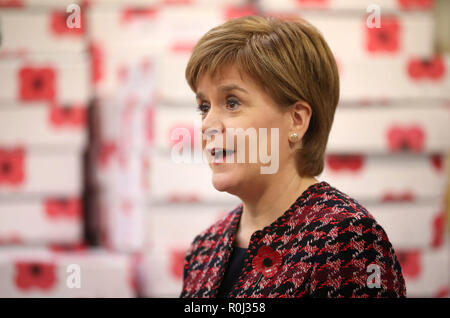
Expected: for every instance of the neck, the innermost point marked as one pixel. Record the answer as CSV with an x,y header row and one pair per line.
x,y
269,203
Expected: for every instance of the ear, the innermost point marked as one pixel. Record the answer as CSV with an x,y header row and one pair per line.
x,y
300,114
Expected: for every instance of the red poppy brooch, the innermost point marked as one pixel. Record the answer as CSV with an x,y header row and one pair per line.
x,y
266,262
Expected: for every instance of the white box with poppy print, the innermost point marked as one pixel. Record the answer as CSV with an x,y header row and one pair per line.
x,y
43,125
426,271
163,25
175,225
41,272
169,231
126,121
30,171
416,225
177,125
391,129
162,272
171,181
387,178
121,221
123,172
41,221
28,30
172,86
185,25
354,36
55,78
415,78
116,69
359,5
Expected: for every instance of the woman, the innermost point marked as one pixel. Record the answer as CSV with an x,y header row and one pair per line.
x,y
292,236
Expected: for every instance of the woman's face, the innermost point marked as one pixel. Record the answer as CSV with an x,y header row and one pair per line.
x,y
231,101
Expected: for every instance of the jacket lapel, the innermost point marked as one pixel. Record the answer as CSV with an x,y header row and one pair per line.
x,y
222,253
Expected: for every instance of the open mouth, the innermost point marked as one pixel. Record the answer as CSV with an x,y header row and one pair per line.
x,y
220,154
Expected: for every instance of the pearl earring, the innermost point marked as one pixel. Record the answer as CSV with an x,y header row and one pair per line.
x,y
293,137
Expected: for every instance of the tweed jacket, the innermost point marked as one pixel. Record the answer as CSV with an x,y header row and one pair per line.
x,y
325,245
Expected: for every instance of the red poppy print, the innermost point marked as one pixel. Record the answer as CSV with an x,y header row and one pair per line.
x,y
96,55
68,116
183,198
178,2
12,167
267,261
438,230
145,164
35,275
59,23
312,3
62,248
398,197
130,14
237,12
133,271
415,4
63,208
106,152
37,83
150,124
11,4
182,47
384,39
427,69
345,162
411,263
436,162
443,292
11,239
401,138
177,263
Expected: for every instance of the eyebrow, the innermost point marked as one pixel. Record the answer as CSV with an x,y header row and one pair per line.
x,y
224,88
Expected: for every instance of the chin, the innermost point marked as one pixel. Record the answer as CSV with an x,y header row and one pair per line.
x,y
226,180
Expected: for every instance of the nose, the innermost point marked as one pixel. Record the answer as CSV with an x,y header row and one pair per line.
x,y
212,124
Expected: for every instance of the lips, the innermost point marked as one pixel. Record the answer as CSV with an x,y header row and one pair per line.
x,y
219,154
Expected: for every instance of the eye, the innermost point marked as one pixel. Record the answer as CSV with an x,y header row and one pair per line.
x,y
233,103
203,108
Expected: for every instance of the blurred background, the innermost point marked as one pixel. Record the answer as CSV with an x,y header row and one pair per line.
x,y
91,204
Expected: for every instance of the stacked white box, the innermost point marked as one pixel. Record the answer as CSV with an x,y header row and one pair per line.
x,y
135,49
44,97
167,240
426,272
43,272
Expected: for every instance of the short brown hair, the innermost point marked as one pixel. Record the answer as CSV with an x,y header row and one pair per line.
x,y
290,59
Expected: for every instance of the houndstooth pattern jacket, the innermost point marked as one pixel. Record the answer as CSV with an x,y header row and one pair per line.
x,y
330,245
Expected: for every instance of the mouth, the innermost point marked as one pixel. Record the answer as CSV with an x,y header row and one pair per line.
x,y
219,155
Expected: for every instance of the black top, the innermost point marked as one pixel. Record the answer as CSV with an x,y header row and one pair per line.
x,y
233,271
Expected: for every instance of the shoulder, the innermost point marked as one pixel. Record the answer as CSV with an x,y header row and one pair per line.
x,y
334,216
332,207
348,242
